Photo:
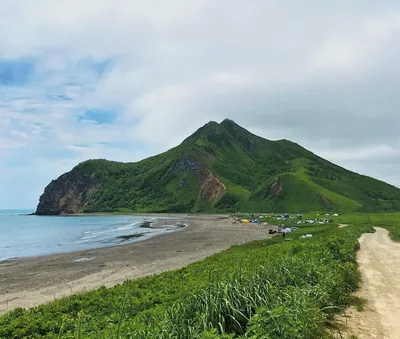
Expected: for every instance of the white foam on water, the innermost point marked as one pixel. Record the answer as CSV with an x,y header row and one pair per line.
x,y
27,236
83,259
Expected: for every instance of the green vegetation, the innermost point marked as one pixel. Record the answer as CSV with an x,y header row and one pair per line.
x,y
256,174
264,289
390,221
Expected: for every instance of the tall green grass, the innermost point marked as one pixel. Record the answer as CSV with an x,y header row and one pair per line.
x,y
264,289
293,297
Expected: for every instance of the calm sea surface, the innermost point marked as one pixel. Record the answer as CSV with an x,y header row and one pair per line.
x,y
22,236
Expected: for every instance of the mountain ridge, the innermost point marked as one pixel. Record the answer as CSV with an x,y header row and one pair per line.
x,y
221,167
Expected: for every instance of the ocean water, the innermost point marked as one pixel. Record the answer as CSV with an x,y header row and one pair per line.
x,y
25,236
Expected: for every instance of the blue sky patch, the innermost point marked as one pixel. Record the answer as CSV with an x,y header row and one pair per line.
x,y
16,72
99,116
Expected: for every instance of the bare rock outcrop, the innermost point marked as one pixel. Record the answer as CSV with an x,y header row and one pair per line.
x,y
68,194
212,188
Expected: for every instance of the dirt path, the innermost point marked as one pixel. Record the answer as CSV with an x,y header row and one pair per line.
x,y
379,260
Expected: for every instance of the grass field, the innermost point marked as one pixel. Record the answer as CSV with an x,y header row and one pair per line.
x,y
264,289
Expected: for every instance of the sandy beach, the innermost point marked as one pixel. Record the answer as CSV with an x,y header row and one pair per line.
x,y
33,281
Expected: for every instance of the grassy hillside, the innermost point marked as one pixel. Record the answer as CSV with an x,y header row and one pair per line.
x,y
221,167
264,289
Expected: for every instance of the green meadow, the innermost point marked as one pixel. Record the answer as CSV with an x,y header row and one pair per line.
x,y
278,288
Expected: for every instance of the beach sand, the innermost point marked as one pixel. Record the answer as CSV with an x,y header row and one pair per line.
x,y
29,282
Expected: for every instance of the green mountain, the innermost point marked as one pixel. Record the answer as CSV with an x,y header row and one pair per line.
x,y
221,167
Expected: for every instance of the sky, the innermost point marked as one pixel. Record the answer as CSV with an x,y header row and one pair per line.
x,y
126,79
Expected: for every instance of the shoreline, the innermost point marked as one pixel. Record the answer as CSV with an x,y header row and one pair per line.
x,y
116,214
155,223
31,281
82,252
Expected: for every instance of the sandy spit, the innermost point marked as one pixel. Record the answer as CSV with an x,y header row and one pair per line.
x,y
30,282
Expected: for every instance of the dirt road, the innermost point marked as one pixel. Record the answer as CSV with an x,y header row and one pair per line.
x,y
379,260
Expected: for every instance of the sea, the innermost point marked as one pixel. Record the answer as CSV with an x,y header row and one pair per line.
x,y
24,235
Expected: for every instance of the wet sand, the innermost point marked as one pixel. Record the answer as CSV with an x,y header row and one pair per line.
x,y
30,282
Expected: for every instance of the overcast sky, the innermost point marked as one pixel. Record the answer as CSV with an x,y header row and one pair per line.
x,y
126,79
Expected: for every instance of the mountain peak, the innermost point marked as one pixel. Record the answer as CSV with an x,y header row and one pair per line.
x,y
211,123
230,124
236,130
211,126
228,121
227,126
221,167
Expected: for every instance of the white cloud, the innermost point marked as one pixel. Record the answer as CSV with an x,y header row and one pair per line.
x,y
324,74
374,154
353,45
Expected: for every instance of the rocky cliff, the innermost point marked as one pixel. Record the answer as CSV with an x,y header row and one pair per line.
x,y
68,194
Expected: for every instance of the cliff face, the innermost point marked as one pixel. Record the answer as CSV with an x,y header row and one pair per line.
x,y
95,185
211,188
68,194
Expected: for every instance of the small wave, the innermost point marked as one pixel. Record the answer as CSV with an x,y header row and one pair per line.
x,y
104,231
85,240
82,259
91,236
128,227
